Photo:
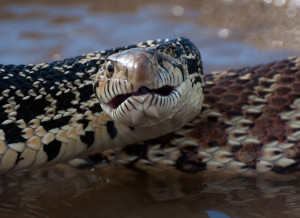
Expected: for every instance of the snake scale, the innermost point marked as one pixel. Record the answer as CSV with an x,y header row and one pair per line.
x,y
154,91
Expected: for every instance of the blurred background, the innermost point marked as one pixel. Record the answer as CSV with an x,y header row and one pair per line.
x,y
229,34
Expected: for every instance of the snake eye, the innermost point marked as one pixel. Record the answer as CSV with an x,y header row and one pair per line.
x,y
110,69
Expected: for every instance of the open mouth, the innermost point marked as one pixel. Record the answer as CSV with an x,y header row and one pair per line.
x,y
163,91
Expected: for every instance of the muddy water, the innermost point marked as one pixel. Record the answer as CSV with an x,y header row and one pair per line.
x,y
228,33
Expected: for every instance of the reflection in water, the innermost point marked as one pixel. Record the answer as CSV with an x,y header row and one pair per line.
x,y
229,34
126,193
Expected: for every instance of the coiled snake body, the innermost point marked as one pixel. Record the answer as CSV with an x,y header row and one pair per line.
x,y
249,122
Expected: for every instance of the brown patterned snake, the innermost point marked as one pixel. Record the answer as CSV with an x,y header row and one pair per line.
x,y
249,121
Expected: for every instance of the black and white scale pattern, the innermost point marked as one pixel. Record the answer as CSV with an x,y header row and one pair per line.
x,y
38,102
46,107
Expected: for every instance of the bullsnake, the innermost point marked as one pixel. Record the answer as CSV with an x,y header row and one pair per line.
x,y
249,121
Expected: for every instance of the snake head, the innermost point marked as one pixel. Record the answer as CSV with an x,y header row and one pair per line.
x,y
150,86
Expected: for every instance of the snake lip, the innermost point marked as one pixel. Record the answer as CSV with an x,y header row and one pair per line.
x,y
143,90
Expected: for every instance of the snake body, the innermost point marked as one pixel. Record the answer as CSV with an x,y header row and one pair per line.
x,y
249,123
49,113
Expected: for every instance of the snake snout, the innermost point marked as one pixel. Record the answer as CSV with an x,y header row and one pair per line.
x,y
141,72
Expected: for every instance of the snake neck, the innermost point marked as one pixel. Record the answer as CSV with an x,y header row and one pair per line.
x,y
38,103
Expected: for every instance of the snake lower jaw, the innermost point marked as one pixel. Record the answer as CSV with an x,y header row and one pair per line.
x,y
152,110
142,108
137,110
